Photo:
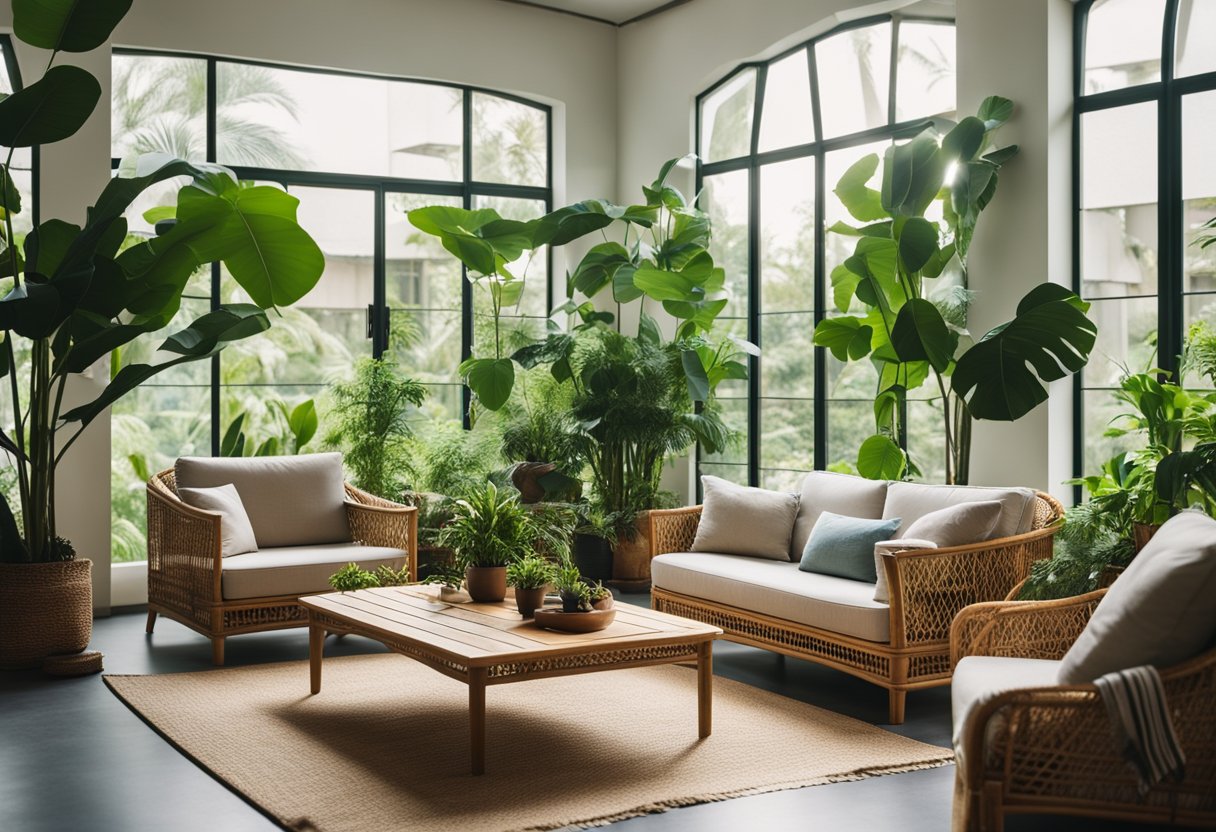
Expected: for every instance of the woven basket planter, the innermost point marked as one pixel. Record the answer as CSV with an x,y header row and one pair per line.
x,y
46,609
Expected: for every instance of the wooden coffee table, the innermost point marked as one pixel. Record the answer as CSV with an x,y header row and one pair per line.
x,y
489,644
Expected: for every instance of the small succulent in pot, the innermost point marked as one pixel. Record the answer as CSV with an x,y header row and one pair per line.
x,y
575,594
530,576
601,596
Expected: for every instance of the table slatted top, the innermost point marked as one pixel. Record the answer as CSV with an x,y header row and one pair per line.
x,y
485,634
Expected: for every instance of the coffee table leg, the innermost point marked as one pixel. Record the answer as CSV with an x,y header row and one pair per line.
x,y
316,644
477,719
705,688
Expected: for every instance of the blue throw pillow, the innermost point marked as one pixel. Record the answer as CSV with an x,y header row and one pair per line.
x,y
844,546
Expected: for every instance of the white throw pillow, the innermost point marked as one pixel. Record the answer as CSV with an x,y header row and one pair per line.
x,y
739,520
236,532
1160,611
957,525
882,591
913,500
841,494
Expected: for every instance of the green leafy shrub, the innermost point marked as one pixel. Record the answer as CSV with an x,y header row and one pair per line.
x,y
454,462
386,575
352,577
532,572
490,528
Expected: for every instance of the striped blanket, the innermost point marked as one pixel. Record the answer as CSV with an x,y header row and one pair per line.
x,y
1140,718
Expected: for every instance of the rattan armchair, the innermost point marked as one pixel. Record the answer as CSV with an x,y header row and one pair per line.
x,y
927,588
1051,749
185,564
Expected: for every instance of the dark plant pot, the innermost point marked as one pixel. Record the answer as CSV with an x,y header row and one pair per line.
x,y
46,609
593,558
527,601
486,584
1142,533
569,601
526,477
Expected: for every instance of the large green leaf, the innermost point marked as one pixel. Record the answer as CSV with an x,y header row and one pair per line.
x,y
624,290
598,266
912,175
1049,338
67,25
917,243
694,374
662,284
847,337
965,140
920,334
491,380
574,221
879,458
995,111
860,200
50,109
12,195
303,422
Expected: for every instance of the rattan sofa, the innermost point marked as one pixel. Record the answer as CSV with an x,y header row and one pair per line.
x,y
186,567
927,587
1050,749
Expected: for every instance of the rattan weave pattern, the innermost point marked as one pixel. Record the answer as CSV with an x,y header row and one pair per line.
x,y
185,564
927,586
663,654
1052,749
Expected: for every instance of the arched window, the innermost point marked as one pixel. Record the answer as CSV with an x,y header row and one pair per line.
x,y
1145,182
773,139
359,151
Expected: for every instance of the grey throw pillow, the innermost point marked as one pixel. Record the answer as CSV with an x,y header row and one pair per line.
x,y
236,532
844,546
957,525
738,520
1160,611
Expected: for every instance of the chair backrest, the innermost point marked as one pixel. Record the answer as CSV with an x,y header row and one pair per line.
x,y
290,500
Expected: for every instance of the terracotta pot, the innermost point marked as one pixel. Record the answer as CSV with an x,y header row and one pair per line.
x,y
46,609
604,603
486,584
527,601
526,477
631,558
1142,533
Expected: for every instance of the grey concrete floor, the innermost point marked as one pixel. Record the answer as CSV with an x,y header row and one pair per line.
x,y
73,757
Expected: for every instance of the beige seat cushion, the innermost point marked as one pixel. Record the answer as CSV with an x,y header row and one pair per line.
x,y
978,679
294,570
236,532
745,521
838,493
913,500
778,589
1160,611
290,500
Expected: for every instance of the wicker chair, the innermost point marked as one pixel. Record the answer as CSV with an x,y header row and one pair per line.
x,y
927,588
185,566
1051,749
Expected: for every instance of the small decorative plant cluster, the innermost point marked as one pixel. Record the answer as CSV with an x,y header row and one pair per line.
x,y
531,572
577,595
352,577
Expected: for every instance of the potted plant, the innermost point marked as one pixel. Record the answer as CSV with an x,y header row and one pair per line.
x,y
531,577
908,273
600,596
489,531
540,438
78,295
574,592
592,549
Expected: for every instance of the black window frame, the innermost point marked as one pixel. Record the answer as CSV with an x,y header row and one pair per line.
x,y
818,149
467,189
1168,93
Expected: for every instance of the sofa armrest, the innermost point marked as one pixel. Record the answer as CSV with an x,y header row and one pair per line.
x,y
184,546
673,529
928,587
375,521
1023,629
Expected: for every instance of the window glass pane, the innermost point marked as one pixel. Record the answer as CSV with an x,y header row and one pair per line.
x,y
787,235
1198,189
158,105
1197,309
849,424
318,338
734,414
519,324
786,118
854,71
1127,340
782,480
1123,44
422,286
510,142
735,472
724,197
1193,53
926,437
1119,201
787,364
925,75
1100,408
726,118
787,429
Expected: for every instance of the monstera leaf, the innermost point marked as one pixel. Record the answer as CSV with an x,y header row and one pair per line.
x,y
1002,376
490,379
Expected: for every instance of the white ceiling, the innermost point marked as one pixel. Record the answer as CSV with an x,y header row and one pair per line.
x,y
615,11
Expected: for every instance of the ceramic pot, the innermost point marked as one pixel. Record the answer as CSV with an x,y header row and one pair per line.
x,y
593,557
46,609
603,603
526,477
631,558
486,584
527,601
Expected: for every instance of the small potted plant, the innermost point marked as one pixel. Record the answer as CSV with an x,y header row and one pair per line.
x,y
574,592
601,597
489,531
531,577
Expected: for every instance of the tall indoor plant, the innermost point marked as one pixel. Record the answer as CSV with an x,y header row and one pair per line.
x,y
77,296
914,331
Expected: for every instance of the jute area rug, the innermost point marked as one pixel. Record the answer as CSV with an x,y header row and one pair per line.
x,y
384,745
